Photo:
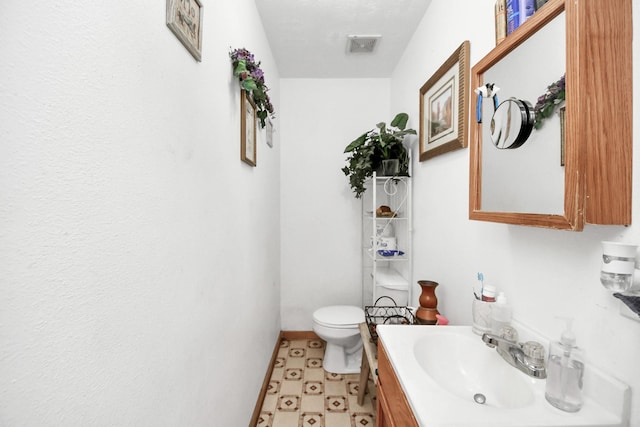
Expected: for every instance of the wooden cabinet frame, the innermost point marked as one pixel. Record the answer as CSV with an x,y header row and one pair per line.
x,y
598,138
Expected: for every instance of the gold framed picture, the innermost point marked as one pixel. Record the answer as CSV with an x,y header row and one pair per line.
x,y
444,106
184,18
247,129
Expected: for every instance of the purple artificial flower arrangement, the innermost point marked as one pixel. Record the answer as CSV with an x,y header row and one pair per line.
x,y
548,102
251,78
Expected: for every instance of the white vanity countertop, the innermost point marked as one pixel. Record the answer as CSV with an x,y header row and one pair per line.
x,y
434,406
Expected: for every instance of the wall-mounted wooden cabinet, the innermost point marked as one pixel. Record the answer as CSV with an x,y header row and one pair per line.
x,y
595,174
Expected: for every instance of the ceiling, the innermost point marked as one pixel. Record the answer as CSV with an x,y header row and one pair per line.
x,y
308,38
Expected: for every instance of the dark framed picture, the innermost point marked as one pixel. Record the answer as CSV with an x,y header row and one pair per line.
x,y
444,101
247,129
184,18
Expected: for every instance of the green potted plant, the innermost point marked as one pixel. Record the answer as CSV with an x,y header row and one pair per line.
x,y
378,150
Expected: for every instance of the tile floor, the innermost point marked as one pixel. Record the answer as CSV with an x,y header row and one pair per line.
x,y
302,394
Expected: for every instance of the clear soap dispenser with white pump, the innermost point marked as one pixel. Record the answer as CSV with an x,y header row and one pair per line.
x,y
500,314
565,369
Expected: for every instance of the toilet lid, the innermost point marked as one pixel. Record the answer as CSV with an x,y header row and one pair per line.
x,y
341,316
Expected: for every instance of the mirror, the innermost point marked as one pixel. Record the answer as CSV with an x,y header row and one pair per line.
x,y
531,178
511,124
525,185
577,167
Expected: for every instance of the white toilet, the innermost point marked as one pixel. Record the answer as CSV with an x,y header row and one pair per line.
x,y
338,326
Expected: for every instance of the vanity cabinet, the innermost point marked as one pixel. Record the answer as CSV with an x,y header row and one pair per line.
x,y
392,407
592,146
386,239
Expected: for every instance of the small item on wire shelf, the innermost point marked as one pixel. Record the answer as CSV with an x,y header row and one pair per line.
x,y
389,252
385,212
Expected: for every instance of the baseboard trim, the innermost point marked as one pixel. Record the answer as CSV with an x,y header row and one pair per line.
x,y
288,335
265,384
299,335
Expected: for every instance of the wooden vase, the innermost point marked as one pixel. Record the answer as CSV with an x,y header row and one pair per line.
x,y
426,313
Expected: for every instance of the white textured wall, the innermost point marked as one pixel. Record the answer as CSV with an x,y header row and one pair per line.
x,y
139,257
320,217
545,273
134,245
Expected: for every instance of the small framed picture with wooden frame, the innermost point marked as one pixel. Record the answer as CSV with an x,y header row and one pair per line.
x,y
444,101
247,129
184,18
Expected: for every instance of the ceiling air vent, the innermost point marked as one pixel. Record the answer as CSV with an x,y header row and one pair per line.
x,y
362,44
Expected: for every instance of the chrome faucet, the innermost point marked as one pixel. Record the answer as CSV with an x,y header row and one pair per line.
x,y
527,357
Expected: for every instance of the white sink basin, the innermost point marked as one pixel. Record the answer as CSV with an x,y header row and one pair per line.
x,y
471,371
442,368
